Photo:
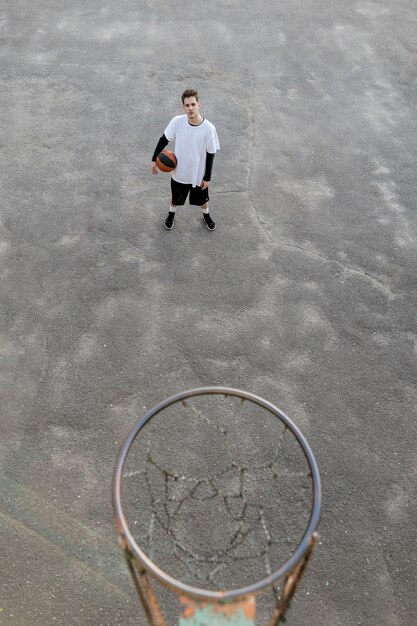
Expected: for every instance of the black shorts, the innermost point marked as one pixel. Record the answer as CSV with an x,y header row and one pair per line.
x,y
180,192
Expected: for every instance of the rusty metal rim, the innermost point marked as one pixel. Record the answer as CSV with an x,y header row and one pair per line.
x,y
176,585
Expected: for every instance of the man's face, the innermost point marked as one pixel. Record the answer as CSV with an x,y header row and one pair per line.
x,y
191,107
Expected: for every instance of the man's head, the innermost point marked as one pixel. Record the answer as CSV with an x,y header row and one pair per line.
x,y
189,93
191,105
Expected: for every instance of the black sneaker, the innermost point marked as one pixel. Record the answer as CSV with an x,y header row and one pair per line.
x,y
169,222
209,222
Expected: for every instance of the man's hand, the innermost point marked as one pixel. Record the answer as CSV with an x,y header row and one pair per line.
x,y
204,184
154,168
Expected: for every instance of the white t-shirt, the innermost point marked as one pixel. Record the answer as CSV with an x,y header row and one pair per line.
x,y
191,145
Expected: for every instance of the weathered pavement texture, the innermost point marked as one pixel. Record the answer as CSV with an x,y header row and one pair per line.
x,y
305,294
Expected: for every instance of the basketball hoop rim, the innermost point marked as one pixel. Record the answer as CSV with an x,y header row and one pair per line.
x,y
196,593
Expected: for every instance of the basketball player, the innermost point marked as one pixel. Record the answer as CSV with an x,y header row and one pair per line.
x,y
196,143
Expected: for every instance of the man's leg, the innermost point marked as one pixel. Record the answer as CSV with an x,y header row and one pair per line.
x,y
200,197
207,217
179,193
169,222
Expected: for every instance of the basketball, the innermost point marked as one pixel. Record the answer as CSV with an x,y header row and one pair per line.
x,y
166,161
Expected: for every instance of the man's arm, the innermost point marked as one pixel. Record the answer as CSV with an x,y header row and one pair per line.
x,y
162,143
209,168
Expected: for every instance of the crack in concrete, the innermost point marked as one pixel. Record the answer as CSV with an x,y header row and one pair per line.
x,y
263,227
251,163
377,284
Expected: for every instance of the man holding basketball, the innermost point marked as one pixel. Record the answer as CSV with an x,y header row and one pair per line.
x,y
196,143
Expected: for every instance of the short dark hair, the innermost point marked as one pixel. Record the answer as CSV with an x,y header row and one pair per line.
x,y
189,93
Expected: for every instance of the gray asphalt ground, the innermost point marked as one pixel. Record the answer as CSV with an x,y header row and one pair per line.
x,y
305,294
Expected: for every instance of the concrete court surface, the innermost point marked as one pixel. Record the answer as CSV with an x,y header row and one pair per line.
x,y
305,294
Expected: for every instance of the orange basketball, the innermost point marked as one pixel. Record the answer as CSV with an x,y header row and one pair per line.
x,y
166,161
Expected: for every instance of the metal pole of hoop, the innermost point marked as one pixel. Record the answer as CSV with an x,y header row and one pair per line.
x,y
202,599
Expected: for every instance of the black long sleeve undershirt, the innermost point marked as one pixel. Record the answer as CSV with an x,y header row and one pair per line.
x,y
163,142
209,166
